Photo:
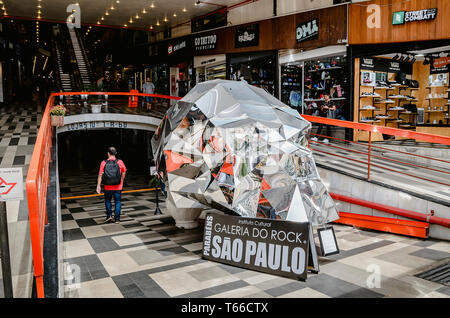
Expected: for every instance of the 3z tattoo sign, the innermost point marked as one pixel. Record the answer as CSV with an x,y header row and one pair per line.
x,y
270,246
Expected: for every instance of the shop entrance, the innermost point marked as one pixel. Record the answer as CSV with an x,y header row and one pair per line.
x,y
258,69
406,88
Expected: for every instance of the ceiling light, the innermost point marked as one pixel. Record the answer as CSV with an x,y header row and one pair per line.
x,y
131,20
98,22
102,18
175,14
152,5
166,20
106,13
144,11
112,7
157,23
151,27
137,16
39,6
184,10
117,1
39,12
125,25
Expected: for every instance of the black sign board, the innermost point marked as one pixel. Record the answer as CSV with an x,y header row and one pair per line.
x,y
270,246
385,65
328,242
308,30
247,36
205,42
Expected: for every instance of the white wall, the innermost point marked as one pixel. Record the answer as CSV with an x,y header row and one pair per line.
x,y
256,11
181,30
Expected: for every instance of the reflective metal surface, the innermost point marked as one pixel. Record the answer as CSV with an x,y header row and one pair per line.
x,y
234,147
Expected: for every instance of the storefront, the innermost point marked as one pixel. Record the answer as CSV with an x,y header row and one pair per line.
x,y
401,84
208,67
317,64
173,66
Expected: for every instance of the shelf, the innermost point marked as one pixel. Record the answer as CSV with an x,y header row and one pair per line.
x,y
366,96
434,98
440,86
325,69
384,88
435,111
322,100
387,103
410,88
395,110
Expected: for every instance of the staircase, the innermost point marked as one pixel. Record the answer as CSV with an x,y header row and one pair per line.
x,y
82,61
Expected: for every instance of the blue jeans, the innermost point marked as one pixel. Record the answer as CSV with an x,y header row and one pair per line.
x,y
117,194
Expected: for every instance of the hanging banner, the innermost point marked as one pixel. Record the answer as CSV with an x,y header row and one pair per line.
x,y
247,36
385,65
440,65
265,245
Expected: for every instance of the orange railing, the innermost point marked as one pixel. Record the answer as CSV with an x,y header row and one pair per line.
x,y
365,151
38,178
433,170
36,185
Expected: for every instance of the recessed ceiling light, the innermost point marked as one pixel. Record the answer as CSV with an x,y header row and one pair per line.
x,y
184,10
102,18
152,5
117,1
112,7
175,14
166,20
157,23
144,11
137,16
106,13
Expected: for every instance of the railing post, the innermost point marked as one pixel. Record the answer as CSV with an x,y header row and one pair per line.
x,y
370,156
4,248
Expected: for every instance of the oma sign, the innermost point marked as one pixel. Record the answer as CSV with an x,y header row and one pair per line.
x,y
270,246
308,30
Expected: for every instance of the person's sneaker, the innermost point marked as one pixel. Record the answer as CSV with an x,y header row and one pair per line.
x,y
109,219
314,139
117,221
325,141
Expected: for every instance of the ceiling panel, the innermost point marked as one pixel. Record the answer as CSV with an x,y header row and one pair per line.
x,y
93,10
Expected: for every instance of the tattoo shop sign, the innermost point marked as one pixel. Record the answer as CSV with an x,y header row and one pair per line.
x,y
247,36
270,246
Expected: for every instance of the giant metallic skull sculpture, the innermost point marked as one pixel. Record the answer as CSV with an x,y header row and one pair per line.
x,y
235,148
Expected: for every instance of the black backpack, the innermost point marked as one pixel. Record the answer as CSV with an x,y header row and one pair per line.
x,y
111,174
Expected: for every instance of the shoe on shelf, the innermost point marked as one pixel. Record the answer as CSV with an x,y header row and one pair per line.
x,y
326,141
109,219
314,139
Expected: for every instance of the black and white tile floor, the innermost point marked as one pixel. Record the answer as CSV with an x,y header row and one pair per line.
x,y
147,256
18,131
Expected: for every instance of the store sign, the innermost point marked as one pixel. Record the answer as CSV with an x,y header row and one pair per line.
x,y
402,17
174,48
11,184
308,30
247,36
208,42
385,65
270,246
440,65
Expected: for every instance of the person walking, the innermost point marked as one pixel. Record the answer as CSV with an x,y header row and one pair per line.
x,y
112,173
148,88
327,110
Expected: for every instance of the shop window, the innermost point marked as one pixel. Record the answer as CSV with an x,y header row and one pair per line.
x,y
406,91
257,69
305,84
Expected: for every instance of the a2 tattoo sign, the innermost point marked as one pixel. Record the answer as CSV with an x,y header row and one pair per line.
x,y
270,246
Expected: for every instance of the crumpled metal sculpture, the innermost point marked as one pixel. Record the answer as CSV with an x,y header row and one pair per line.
x,y
235,148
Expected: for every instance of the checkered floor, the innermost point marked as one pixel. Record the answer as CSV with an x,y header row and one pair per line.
x,y
147,256
18,132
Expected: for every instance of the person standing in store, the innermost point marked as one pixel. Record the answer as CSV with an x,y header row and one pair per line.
x,y
112,173
148,88
326,109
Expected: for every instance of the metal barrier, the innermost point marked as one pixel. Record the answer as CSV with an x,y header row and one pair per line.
x,y
365,152
38,172
136,103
